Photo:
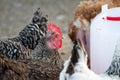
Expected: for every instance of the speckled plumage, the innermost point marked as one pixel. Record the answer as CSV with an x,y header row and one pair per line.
x,y
114,68
44,54
13,50
27,70
27,38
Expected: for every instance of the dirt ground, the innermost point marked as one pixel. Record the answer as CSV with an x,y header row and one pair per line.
x,y
16,14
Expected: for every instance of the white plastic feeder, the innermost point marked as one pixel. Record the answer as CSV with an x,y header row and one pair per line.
x,y
104,33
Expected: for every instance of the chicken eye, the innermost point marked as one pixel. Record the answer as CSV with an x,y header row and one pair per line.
x,y
43,19
36,19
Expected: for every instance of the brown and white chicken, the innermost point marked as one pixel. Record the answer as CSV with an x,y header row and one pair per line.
x,y
79,27
75,68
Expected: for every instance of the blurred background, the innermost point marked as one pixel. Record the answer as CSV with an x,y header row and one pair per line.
x,y
16,14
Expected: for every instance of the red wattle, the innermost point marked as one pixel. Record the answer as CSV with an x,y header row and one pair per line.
x,y
59,44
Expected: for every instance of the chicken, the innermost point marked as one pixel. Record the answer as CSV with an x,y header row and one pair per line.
x,y
27,70
80,70
79,27
27,40
47,49
12,69
43,64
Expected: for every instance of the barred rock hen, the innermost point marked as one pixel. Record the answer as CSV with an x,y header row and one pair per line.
x,y
47,48
27,39
46,66
80,70
44,62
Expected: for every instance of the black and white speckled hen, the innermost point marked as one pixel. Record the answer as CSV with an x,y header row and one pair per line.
x,y
27,39
45,64
47,48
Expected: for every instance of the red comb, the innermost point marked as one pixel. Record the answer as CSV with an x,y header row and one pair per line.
x,y
54,28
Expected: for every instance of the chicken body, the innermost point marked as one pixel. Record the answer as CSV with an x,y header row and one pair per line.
x,y
27,39
13,50
81,71
43,53
42,64
27,70
47,48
